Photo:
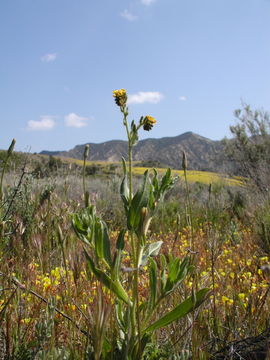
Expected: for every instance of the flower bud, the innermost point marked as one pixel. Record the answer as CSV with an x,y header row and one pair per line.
x,y
11,147
184,161
86,151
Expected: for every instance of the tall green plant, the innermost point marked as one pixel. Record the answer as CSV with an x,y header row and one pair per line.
x,y
137,318
4,166
3,206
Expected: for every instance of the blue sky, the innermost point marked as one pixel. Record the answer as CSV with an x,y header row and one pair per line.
x,y
188,63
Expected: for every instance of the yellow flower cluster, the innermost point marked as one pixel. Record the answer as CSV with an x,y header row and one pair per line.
x,y
120,97
148,122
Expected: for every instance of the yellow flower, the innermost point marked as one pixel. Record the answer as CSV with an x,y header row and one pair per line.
x,y
120,97
249,262
241,296
46,282
148,122
72,307
226,300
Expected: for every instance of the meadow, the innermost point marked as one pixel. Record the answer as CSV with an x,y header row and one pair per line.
x,y
130,264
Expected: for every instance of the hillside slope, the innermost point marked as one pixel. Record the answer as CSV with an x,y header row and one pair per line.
x,y
202,153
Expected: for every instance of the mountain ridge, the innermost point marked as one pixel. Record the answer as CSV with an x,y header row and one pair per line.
x,y
202,153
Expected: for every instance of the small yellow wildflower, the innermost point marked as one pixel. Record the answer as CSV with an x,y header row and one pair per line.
x,y
84,306
120,97
241,296
148,122
46,282
226,300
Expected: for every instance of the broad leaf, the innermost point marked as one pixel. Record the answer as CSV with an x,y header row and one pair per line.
x,y
179,311
139,201
118,253
124,189
102,242
151,250
153,282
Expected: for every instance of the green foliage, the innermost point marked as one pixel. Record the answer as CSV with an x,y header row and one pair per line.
x,y
47,167
249,150
179,311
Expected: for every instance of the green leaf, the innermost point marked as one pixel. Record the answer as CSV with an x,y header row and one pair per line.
x,y
179,311
121,317
176,273
117,256
102,242
124,189
153,282
113,285
167,183
133,133
83,224
139,201
120,244
151,250
163,279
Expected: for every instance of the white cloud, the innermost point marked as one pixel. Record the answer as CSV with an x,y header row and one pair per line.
x,y
128,15
45,123
182,98
141,97
73,120
49,57
147,2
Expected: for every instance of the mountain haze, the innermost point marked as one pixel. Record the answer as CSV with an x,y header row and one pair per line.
x,y
202,153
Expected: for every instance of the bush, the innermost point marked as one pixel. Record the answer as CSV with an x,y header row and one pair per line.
x,y
249,150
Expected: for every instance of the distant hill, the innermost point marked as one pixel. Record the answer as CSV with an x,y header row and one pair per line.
x,y
202,153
